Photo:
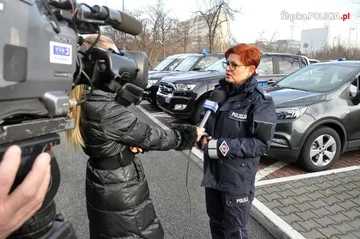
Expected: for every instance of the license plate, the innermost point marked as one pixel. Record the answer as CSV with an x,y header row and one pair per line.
x,y
265,83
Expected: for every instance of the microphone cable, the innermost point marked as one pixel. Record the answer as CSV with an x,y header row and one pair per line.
x,y
188,193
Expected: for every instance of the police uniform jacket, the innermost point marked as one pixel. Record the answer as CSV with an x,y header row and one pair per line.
x,y
242,131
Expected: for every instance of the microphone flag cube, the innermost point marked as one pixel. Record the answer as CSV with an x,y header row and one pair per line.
x,y
211,105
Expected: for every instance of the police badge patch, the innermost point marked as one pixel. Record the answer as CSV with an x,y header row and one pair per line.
x,y
224,148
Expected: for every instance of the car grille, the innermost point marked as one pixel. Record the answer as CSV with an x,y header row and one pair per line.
x,y
166,88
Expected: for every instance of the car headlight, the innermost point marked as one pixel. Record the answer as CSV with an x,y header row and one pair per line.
x,y
150,83
183,87
290,113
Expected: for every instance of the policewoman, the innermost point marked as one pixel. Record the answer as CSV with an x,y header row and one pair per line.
x,y
238,134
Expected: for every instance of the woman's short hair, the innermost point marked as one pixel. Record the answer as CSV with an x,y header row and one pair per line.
x,y
249,54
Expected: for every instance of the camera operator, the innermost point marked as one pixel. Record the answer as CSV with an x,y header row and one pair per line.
x,y
117,192
27,198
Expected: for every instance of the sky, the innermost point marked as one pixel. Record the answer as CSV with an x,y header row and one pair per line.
x,y
268,19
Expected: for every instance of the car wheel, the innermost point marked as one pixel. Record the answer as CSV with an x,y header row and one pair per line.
x,y
321,149
197,112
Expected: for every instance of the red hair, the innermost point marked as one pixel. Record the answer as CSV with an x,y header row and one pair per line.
x,y
249,54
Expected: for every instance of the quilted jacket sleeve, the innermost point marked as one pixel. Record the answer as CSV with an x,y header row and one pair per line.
x,y
120,124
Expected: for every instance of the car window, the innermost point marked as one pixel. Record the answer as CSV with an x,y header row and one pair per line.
x,y
164,63
317,77
353,88
175,63
207,61
186,64
217,66
288,64
266,66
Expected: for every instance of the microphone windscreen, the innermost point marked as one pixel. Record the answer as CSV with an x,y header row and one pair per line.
x,y
217,95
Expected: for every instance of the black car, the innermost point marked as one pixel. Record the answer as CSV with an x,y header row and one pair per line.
x,y
169,63
318,114
183,95
193,62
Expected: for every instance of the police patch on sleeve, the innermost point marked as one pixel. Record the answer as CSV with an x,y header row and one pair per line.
x,y
224,148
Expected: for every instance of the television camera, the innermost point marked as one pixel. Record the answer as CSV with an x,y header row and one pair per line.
x,y
39,66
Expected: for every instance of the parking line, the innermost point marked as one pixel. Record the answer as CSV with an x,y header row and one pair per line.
x,y
269,170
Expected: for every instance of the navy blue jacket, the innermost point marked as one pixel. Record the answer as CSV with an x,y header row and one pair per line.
x,y
242,130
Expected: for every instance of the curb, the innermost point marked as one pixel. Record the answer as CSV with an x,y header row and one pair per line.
x,y
262,214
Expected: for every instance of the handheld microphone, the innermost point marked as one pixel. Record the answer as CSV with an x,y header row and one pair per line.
x,y
212,105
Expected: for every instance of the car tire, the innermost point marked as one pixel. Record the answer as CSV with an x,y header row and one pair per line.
x,y
321,149
197,112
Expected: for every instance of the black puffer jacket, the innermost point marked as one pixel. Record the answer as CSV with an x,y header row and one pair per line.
x,y
117,191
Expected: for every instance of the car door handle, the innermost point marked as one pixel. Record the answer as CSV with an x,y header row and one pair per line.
x,y
271,81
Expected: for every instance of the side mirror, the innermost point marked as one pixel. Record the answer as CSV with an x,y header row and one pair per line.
x,y
256,72
354,92
197,68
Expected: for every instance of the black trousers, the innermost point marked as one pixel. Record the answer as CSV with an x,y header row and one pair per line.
x,y
228,213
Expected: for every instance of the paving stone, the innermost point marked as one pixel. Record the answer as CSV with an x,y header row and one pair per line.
x,y
330,200
288,201
298,184
313,234
315,195
306,215
340,217
356,201
261,199
271,189
339,189
355,224
344,228
324,185
291,218
348,236
287,193
350,186
298,228
300,191
329,231
273,204
302,198
309,224
324,221
271,196
289,209
313,188
318,203
278,212
259,191
351,214
347,179
304,206
349,203
344,196
321,212
327,192
356,234
335,208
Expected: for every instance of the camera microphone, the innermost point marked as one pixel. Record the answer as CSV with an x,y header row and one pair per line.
x,y
212,105
117,19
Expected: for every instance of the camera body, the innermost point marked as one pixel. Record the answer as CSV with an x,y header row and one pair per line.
x,y
39,66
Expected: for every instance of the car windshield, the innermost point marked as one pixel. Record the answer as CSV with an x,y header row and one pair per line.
x,y
217,66
317,77
161,66
186,64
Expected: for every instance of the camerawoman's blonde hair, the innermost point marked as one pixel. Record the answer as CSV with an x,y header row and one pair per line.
x,y
74,135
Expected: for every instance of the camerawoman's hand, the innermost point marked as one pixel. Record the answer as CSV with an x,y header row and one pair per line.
x,y
27,198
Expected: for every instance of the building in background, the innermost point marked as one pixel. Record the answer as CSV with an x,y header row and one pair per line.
x,y
195,34
313,40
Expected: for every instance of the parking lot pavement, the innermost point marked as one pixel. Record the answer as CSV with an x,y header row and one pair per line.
x,y
268,168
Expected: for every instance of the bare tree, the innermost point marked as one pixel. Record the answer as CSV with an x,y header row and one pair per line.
x,y
184,35
215,13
